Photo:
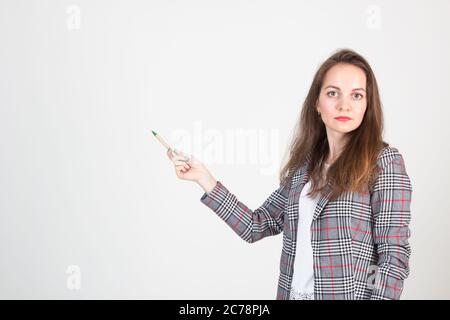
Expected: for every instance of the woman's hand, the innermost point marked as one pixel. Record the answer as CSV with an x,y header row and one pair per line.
x,y
191,169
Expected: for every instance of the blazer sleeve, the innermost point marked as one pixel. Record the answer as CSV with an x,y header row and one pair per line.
x,y
391,199
251,226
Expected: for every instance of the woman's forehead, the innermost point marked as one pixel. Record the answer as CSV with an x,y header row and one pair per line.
x,y
345,77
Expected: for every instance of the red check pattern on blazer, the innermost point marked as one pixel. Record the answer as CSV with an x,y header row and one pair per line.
x,y
359,241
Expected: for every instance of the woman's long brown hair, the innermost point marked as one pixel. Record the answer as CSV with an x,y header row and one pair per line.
x,y
355,168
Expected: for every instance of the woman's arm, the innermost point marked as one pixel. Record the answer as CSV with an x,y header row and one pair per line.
x,y
391,199
251,226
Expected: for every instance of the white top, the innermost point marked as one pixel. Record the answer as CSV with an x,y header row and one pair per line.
x,y
303,278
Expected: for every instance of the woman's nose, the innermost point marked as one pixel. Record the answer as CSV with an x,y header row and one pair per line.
x,y
344,105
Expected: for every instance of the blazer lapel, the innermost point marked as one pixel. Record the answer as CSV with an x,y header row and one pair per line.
x,y
299,180
322,202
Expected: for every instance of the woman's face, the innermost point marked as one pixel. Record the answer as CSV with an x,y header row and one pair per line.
x,y
343,94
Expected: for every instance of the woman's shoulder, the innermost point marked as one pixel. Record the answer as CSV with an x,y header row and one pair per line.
x,y
388,154
391,162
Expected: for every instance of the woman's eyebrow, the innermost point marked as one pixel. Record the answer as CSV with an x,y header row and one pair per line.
x,y
337,88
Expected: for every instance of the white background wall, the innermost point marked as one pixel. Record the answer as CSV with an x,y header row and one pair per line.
x,y
83,182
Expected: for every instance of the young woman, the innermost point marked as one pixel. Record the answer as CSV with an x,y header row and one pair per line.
x,y
343,203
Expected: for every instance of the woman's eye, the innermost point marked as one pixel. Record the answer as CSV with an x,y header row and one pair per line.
x,y
358,96
328,93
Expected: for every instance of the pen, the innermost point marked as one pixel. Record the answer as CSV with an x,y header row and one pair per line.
x,y
166,145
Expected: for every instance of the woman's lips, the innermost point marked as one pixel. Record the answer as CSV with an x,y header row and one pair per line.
x,y
343,118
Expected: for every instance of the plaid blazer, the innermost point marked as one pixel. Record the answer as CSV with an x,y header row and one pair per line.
x,y
359,241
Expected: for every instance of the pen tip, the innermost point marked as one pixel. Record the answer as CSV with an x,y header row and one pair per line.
x,y
154,133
